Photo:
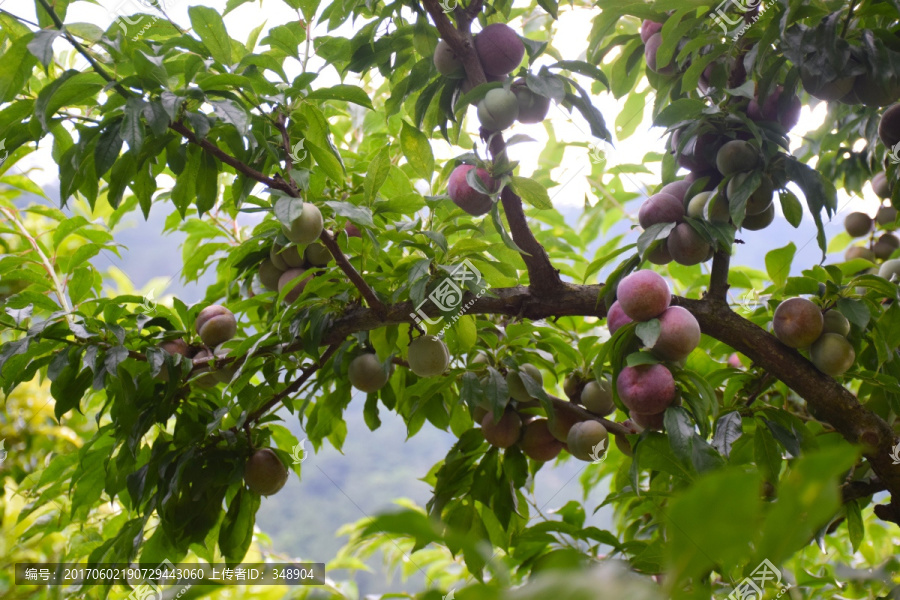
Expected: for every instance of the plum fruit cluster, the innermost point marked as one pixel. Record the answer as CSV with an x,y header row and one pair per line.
x,y
647,390
292,267
799,323
215,325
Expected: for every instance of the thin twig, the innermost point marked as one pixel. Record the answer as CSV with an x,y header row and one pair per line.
x,y
352,274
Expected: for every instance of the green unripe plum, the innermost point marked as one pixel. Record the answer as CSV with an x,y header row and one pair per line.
x,y
859,252
428,356
264,472
679,334
761,198
562,422
597,398
886,216
306,228
881,186
858,224
885,246
366,373
205,377
798,322
573,383
736,156
269,274
295,288
622,442
832,354
517,390
317,255
215,324
498,109
499,49
222,374
647,389
817,87
760,221
718,211
478,413
480,361
875,91
686,246
533,108
447,62
587,438
835,322
503,433
890,270
538,443
643,295
285,258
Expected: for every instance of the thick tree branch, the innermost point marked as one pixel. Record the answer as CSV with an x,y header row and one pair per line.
x,y
718,278
543,278
352,274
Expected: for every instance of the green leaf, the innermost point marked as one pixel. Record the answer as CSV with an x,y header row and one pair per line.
x,y
856,311
236,532
376,174
208,24
327,160
287,210
359,215
531,192
653,452
504,235
766,453
230,112
778,263
109,144
207,184
417,150
41,46
15,68
791,207
348,93
855,526
728,429
683,109
132,130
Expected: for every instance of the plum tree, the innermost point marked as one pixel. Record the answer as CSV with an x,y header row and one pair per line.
x,y
587,440
516,386
798,322
679,334
307,227
215,324
366,373
498,110
465,196
537,442
832,354
858,224
428,356
264,473
503,433
646,389
643,295
499,49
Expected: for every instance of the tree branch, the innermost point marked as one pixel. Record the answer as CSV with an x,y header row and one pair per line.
x,y
293,387
718,277
352,274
